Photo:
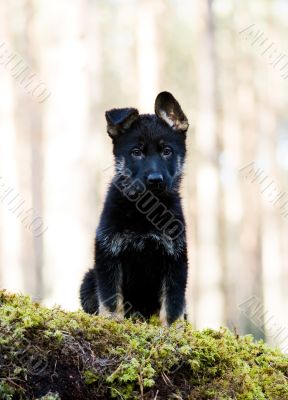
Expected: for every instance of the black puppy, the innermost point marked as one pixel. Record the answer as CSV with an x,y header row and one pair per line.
x,y
140,249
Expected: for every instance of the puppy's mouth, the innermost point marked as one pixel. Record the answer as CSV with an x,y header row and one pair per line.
x,y
157,188
134,192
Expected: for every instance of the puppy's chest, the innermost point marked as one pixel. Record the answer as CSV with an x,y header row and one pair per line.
x,y
133,242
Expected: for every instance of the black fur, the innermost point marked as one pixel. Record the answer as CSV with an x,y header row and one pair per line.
x,y
140,247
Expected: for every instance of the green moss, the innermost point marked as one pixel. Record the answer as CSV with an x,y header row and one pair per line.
x,y
49,354
50,396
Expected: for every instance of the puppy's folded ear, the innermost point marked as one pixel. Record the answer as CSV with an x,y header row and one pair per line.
x,y
168,109
119,120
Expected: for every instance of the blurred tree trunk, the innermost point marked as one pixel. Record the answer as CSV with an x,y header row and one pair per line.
x,y
68,242
271,201
27,114
231,206
209,308
147,53
34,110
249,276
10,228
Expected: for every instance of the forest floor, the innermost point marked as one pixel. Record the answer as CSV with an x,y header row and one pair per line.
x,y
52,354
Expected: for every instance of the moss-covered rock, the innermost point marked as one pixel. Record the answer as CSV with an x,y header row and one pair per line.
x,y
52,354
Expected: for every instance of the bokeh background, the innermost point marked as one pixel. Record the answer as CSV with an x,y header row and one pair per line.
x,y
219,59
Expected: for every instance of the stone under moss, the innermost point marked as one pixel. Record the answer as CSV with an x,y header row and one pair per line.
x,y
52,354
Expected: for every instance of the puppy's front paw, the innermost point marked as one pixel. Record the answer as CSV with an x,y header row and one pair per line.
x,y
118,315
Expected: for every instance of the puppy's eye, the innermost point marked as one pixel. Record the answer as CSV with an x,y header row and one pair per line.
x,y
137,153
167,151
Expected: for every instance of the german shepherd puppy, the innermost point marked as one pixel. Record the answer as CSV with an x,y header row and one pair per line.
x,y
140,248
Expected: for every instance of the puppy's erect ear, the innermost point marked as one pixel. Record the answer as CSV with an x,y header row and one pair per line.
x,y
119,120
168,109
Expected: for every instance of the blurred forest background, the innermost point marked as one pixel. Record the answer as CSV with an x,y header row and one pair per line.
x,y
219,59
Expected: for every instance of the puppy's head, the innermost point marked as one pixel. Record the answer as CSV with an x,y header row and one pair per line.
x,y
150,148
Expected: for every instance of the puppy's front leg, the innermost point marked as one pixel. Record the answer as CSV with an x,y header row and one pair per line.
x,y
173,295
109,281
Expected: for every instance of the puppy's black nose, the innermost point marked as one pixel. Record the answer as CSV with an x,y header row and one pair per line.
x,y
154,178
